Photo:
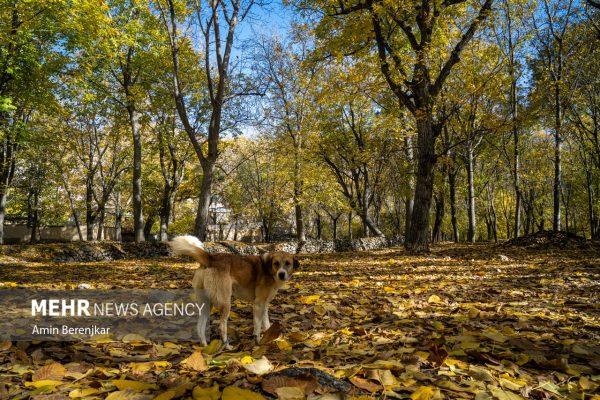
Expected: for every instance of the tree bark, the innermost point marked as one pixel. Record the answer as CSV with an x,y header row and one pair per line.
x,y
138,218
3,196
300,231
148,225
202,221
471,202
350,225
409,202
118,218
418,236
90,217
453,218
436,236
8,148
318,225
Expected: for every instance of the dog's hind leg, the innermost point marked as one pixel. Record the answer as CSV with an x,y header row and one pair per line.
x,y
204,303
223,317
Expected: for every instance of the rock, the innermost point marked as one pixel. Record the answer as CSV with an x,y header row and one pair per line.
x,y
502,257
84,286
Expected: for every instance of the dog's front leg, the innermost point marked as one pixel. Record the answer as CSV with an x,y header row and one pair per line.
x,y
259,312
266,324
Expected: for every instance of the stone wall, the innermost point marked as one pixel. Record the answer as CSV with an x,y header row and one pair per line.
x,y
105,251
21,233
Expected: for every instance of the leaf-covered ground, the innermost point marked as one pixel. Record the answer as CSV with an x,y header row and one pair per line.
x,y
475,321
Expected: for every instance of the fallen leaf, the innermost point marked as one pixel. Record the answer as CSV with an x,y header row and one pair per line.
x,y
128,394
211,393
195,361
236,393
435,299
123,384
259,367
53,371
426,393
366,384
271,334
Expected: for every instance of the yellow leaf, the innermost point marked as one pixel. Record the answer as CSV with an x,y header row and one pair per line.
x,y
196,362
123,384
44,382
473,312
168,395
425,393
283,345
213,347
53,371
495,336
309,299
236,393
501,394
435,299
587,384
247,360
77,393
211,393
126,394
388,289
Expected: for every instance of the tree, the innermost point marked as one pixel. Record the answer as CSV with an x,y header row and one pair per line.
x,y
552,53
217,23
355,141
290,94
405,36
36,40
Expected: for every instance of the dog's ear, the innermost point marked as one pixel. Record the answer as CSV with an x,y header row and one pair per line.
x,y
266,259
296,264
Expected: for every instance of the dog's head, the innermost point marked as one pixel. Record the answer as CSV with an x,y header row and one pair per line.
x,y
281,265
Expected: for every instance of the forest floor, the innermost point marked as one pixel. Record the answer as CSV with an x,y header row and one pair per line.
x,y
465,321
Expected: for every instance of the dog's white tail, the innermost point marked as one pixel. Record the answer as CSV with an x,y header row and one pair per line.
x,y
187,245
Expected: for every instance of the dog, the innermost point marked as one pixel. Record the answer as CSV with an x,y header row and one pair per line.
x,y
221,276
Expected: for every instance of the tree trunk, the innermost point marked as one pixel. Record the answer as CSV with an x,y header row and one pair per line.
x,y
334,223
409,202
350,225
557,172
300,233
471,184
439,217
3,195
138,218
452,186
90,218
202,222
517,164
147,231
165,212
593,219
418,236
319,226
101,218
75,215
118,218
557,139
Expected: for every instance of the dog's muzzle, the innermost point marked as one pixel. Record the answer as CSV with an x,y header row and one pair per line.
x,y
282,275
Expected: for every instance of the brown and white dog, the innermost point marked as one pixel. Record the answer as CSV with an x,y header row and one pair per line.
x,y
221,275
